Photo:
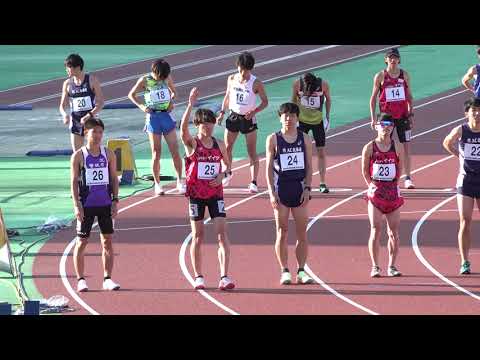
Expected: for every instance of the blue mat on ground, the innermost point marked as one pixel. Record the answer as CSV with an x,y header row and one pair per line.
x,y
49,152
16,107
120,106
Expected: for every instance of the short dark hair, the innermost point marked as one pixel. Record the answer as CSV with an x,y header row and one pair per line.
x,y
474,101
92,122
478,50
204,115
161,68
289,108
246,61
74,60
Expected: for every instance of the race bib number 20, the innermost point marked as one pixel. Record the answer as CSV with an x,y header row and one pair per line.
x,y
82,104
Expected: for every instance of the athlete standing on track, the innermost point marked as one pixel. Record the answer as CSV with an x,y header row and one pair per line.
x,y
240,98
309,93
393,88
473,73
289,175
382,161
93,182
203,163
84,93
468,181
159,91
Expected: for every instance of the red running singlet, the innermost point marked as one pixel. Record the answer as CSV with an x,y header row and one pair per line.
x,y
202,167
393,96
384,172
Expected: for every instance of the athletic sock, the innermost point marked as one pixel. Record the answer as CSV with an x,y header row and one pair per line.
x,y
300,269
285,270
106,278
82,278
254,182
224,276
407,178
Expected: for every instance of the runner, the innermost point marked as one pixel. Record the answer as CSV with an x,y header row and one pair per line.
x,y
158,91
289,175
309,93
203,162
472,73
94,189
393,88
240,99
84,93
382,161
468,182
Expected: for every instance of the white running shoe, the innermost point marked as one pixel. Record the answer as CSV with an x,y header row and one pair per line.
x,y
181,186
392,271
159,189
199,283
82,286
226,283
409,184
375,272
286,278
110,285
253,188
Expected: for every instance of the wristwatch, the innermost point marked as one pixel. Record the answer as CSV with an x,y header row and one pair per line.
x,y
307,188
115,199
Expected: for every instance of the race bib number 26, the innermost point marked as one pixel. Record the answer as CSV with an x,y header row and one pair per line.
x,y
96,176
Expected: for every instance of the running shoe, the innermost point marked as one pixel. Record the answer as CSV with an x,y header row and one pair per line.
x,y
303,278
199,283
409,184
375,272
226,283
253,188
392,271
181,187
286,278
159,189
110,285
324,189
82,286
465,269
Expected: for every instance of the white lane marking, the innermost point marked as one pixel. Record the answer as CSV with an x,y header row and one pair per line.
x,y
316,218
107,68
422,259
71,244
187,275
181,66
231,71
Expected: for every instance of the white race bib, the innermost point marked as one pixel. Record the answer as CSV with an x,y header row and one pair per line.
x,y
82,103
241,97
96,176
208,171
160,96
384,172
396,93
311,102
472,152
292,161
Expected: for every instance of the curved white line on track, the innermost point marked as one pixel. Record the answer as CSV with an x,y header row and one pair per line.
x,y
316,218
62,266
424,261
